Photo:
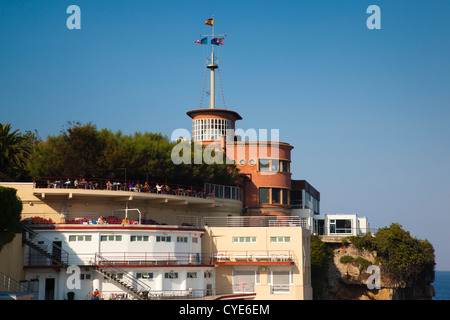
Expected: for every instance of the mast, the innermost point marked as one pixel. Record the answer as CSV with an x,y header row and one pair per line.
x,y
212,66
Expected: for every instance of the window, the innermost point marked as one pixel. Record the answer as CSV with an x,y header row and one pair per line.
x,y
171,275
194,239
284,166
182,239
274,165
210,129
280,281
208,274
192,275
85,276
280,239
245,280
264,164
110,238
276,195
80,238
138,238
264,195
163,239
144,275
341,226
244,239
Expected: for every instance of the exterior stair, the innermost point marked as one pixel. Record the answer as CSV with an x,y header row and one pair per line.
x,y
130,284
46,247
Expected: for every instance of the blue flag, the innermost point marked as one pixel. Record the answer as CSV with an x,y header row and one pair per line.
x,y
217,41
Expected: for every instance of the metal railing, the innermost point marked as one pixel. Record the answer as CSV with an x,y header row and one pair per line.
x,y
263,256
154,258
9,284
131,284
256,221
121,185
46,252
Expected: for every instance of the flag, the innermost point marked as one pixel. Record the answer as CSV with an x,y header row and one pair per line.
x,y
217,41
202,41
209,22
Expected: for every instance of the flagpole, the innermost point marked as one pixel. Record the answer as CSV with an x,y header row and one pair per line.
x,y
212,75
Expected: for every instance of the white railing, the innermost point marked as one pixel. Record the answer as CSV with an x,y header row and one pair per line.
x,y
256,221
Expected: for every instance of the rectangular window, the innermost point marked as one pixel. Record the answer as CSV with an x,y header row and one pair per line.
x,y
208,274
276,195
280,239
285,196
192,275
263,195
80,238
194,240
182,239
171,275
264,164
163,239
144,275
110,238
138,238
244,239
284,166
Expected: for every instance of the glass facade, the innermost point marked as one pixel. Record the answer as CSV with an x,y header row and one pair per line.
x,y
209,129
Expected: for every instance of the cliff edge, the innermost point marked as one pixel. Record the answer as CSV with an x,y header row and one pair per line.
x,y
348,278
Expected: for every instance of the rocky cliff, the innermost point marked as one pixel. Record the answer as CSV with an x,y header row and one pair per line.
x,y
348,278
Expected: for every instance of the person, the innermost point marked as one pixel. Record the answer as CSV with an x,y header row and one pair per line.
x,y
100,220
158,188
95,295
125,221
146,186
108,185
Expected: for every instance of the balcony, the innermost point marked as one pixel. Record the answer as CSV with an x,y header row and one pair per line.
x,y
254,257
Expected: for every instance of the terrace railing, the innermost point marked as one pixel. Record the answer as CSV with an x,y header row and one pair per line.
x,y
206,191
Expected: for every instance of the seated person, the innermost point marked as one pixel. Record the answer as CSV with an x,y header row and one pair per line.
x,y
125,221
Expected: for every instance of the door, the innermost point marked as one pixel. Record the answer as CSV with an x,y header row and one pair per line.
x,y
50,289
56,251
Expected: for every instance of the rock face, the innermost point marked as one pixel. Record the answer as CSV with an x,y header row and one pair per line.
x,y
348,280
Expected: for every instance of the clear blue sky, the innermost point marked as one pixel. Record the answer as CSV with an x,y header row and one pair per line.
x,y
367,110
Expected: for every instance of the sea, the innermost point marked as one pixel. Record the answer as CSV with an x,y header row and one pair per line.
x,y
441,285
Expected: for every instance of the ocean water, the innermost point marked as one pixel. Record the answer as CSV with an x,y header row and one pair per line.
x,y
441,285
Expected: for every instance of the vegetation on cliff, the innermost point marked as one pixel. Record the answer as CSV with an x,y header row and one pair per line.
x,y
402,258
321,256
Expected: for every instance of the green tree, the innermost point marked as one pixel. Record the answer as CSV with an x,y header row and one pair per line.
x,y
321,256
83,151
10,211
404,258
15,150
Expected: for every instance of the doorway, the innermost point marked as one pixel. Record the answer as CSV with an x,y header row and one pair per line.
x,y
50,289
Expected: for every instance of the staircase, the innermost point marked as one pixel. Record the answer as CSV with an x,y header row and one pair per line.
x,y
46,247
59,257
130,284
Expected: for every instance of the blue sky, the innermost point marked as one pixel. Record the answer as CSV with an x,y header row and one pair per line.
x,y
367,110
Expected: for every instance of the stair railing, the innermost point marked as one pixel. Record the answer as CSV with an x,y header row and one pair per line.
x,y
131,284
46,247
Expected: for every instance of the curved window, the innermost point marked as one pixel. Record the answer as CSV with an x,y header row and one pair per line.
x,y
210,129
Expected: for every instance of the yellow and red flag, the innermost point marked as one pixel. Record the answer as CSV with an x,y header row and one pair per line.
x,y
209,22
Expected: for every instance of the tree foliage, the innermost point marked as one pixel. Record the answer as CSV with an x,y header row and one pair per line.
x,y
10,210
321,256
15,150
403,258
84,151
